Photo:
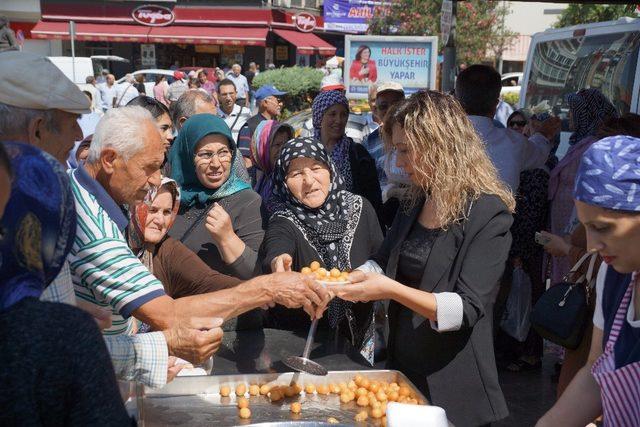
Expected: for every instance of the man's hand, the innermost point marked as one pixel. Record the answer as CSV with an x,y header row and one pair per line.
x,y
196,341
549,128
281,263
294,290
219,223
172,369
557,246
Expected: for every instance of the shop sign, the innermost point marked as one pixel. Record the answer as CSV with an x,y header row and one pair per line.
x,y
148,55
282,53
305,22
153,16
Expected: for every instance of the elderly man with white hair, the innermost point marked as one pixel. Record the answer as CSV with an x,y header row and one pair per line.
x,y
50,123
108,91
123,164
126,91
242,85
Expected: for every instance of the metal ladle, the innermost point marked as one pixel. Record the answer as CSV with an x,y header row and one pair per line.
x,y
303,363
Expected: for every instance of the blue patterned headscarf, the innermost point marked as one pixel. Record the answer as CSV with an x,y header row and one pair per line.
x,y
589,109
39,224
183,169
609,174
340,153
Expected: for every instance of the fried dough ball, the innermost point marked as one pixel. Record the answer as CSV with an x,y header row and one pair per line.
x,y
404,391
264,389
254,389
276,394
241,389
383,422
332,420
393,396
306,270
381,396
374,386
363,401
225,390
242,402
361,392
352,386
292,390
358,380
376,413
365,383
335,273
309,388
334,388
296,408
361,416
245,413
314,266
322,389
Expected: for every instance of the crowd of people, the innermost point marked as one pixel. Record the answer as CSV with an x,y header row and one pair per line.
x,y
132,240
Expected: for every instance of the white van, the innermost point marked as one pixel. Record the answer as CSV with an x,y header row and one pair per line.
x,y
603,55
84,66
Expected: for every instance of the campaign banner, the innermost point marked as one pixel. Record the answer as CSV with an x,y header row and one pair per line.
x,y
349,16
410,61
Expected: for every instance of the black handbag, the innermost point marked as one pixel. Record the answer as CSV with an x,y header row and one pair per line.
x,y
562,312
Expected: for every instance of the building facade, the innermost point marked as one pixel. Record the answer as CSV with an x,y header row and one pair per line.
x,y
190,33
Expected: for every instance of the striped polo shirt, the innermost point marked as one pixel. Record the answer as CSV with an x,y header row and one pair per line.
x,y
104,270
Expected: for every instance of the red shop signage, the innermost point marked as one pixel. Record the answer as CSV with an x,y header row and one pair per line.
x,y
305,22
153,16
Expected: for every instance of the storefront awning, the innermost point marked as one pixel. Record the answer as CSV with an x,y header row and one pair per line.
x,y
93,32
209,35
307,43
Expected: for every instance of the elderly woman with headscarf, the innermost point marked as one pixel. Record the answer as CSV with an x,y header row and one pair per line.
x,y
219,217
265,147
54,365
588,110
608,205
353,162
318,220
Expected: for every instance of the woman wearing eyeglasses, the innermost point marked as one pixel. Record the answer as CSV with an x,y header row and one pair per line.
x,y
219,217
517,121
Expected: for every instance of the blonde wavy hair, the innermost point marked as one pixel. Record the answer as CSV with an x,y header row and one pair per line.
x,y
450,162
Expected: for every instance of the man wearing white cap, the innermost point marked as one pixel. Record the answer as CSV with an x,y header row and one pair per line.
x,y
50,123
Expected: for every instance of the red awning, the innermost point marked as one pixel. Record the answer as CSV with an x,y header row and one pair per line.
x,y
94,32
307,43
246,36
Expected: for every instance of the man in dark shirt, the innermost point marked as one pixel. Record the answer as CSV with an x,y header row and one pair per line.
x,y
269,107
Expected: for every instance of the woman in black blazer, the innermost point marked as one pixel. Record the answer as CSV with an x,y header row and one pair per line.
x,y
442,260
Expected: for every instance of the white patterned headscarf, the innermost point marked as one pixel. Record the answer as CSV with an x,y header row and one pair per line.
x,y
609,174
330,228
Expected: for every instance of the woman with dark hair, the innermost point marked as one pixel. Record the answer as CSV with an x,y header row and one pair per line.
x,y
608,205
160,89
140,84
160,114
54,366
363,68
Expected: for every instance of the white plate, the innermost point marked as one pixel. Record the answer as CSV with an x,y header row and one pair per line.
x,y
326,282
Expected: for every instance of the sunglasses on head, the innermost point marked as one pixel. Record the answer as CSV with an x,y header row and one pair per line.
x,y
519,123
